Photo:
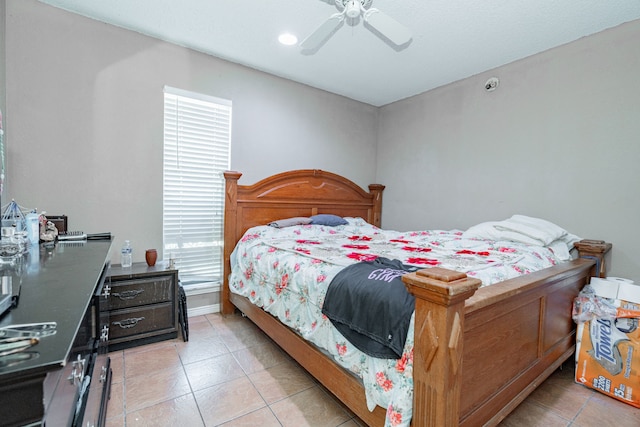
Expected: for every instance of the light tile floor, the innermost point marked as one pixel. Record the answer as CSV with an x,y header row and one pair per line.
x,y
229,373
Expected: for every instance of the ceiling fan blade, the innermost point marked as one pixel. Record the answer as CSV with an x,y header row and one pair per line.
x,y
388,27
319,37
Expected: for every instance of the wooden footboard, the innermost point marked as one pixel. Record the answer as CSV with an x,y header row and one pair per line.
x,y
519,339
478,352
514,335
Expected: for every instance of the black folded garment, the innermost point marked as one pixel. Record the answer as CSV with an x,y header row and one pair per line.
x,y
370,305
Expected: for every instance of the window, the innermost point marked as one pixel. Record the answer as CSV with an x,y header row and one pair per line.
x,y
197,138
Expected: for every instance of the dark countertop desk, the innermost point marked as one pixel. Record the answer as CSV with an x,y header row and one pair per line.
x,y
57,285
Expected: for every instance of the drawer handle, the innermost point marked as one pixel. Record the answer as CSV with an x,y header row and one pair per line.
x,y
128,323
77,371
104,333
128,295
106,291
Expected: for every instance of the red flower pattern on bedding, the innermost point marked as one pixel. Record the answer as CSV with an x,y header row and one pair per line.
x,y
284,281
362,257
362,247
394,417
364,238
249,272
248,237
470,252
385,383
422,261
342,348
415,249
406,359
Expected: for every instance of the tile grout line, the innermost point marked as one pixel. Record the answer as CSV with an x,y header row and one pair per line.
x,y
192,393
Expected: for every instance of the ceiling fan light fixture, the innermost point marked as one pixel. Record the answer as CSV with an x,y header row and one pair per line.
x,y
287,39
353,12
353,9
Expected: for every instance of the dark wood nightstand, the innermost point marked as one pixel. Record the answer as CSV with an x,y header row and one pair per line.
x,y
142,305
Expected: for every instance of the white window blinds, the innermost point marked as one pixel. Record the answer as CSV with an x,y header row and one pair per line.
x,y
197,138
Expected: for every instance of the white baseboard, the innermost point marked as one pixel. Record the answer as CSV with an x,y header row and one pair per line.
x,y
201,288
202,310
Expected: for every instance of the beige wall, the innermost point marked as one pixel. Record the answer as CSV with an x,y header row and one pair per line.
x,y
558,139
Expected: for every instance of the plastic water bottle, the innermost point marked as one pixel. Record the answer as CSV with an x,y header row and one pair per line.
x,y
32,221
126,259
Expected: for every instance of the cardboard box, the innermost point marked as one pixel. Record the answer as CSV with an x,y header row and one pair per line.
x,y
608,350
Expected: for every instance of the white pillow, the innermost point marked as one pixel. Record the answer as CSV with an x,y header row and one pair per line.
x,y
522,229
536,228
489,231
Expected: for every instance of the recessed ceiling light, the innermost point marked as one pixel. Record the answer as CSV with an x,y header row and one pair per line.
x,y
287,39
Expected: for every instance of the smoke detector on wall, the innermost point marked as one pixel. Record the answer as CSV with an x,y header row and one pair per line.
x,y
492,84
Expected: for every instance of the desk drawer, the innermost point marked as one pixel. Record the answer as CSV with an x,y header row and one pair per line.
x,y
133,293
144,320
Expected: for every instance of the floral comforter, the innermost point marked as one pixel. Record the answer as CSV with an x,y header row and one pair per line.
x,y
286,271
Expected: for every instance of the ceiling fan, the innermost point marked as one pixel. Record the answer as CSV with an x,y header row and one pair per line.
x,y
351,11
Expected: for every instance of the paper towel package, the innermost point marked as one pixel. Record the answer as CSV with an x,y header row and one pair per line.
x,y
616,288
608,350
629,292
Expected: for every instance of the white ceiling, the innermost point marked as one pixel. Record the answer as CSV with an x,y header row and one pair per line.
x,y
452,39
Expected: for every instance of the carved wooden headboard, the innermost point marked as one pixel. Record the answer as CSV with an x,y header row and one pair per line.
x,y
304,192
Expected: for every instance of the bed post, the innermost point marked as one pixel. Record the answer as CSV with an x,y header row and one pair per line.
x,y
230,237
596,250
376,191
437,353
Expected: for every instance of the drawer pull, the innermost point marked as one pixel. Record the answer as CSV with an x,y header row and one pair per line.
x,y
128,295
77,371
128,323
104,333
106,291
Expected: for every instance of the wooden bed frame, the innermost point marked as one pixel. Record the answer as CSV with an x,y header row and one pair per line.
x,y
478,351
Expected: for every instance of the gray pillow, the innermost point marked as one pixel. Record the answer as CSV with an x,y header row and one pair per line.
x,y
289,222
328,219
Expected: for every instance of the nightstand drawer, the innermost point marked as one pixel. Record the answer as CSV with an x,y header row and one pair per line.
x,y
142,306
133,293
148,319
